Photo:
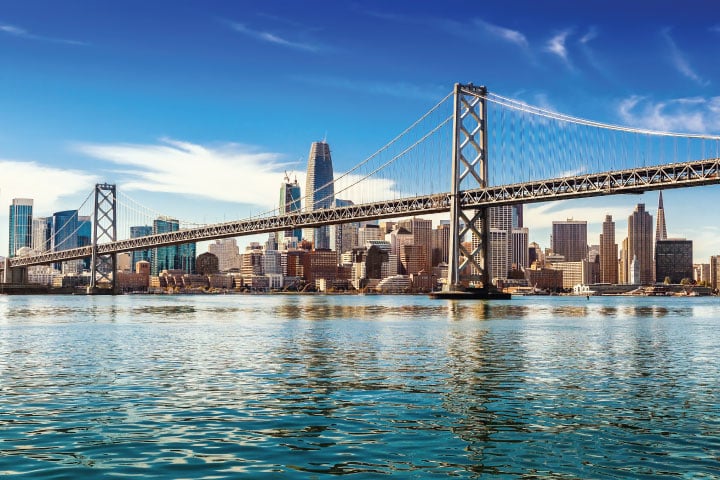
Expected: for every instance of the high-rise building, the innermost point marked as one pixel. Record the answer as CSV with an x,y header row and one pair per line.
x,y
715,272
441,243
569,239
85,236
517,216
519,249
319,191
608,252
21,210
673,260
227,252
421,231
140,255
41,234
64,236
343,237
290,200
660,228
501,225
173,257
640,244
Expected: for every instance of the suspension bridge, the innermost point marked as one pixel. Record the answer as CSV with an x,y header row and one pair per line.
x,y
472,151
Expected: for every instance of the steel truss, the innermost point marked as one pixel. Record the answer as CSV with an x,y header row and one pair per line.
x,y
103,265
637,180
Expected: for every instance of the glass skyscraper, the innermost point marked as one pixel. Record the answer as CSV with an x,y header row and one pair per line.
x,y
290,198
20,224
319,190
138,255
65,235
173,257
42,233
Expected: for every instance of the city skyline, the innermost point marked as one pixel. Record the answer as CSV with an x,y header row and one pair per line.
x,y
184,89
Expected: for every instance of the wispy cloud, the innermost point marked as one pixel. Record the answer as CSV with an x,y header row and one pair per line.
x,y
557,46
589,36
218,172
46,185
275,39
681,62
394,89
692,114
512,36
22,33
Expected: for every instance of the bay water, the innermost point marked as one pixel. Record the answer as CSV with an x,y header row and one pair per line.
x,y
313,386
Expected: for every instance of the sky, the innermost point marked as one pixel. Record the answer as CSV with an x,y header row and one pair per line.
x,y
196,108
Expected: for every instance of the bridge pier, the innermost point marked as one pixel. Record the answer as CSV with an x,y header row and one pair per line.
x,y
15,275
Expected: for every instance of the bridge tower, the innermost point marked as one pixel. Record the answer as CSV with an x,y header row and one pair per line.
x,y
469,170
103,267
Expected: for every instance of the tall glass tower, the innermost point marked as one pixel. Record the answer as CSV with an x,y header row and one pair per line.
x,y
138,255
173,257
20,224
65,229
290,202
319,190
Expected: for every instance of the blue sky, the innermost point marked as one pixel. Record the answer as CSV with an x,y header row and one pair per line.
x,y
142,93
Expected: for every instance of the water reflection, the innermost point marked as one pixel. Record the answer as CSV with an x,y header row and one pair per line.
x,y
299,386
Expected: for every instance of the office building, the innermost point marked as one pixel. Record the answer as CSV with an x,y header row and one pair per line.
x,y
640,245
569,239
173,257
519,248
140,255
715,272
319,191
21,210
41,234
608,252
290,200
673,260
227,252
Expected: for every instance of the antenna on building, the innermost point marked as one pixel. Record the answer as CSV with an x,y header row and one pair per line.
x,y
287,177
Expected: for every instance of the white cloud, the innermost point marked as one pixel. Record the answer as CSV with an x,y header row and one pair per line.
x,y
273,38
46,185
512,36
692,114
22,33
228,172
589,36
556,46
681,63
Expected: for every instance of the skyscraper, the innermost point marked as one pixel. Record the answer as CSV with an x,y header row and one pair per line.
x,y
41,234
569,239
64,235
640,244
138,255
20,224
173,257
290,202
660,228
608,252
319,190
673,260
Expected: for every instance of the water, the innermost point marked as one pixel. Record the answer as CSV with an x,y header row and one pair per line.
x,y
313,386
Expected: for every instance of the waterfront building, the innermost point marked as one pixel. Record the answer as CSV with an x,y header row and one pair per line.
x,y
227,252
272,262
394,284
634,271
701,273
575,273
21,210
207,264
715,272
640,244
319,264
673,260
173,257
290,201
544,278
136,232
499,251
623,263
343,237
319,191
413,258
421,231
569,238
42,234
608,252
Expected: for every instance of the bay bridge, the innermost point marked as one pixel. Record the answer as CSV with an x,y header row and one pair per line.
x,y
472,151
